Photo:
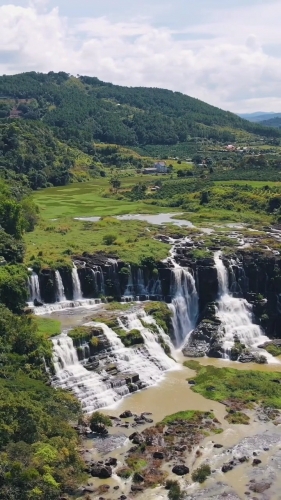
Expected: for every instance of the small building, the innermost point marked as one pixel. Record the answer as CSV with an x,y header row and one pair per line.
x,y
161,167
150,170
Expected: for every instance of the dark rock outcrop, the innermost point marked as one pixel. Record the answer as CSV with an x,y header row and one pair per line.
x,y
101,471
180,470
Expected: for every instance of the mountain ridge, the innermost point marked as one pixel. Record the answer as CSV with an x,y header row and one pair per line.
x,y
84,109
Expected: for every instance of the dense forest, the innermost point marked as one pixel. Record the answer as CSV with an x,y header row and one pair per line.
x,y
83,109
272,122
52,126
38,457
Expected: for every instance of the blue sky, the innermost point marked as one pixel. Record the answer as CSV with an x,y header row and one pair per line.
x,y
227,53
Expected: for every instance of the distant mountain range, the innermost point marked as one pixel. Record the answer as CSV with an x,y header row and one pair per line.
x,y
260,116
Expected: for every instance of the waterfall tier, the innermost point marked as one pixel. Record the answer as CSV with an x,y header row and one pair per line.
x,y
59,288
185,304
145,363
34,288
236,316
77,293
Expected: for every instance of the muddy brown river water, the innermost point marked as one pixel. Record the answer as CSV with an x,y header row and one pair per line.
x,y
173,394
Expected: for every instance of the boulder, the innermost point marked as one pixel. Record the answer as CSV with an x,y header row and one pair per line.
x,y
126,414
111,462
159,455
138,478
180,470
217,445
226,468
256,461
137,488
260,487
101,471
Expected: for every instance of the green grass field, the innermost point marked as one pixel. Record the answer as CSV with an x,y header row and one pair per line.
x,y
58,237
87,199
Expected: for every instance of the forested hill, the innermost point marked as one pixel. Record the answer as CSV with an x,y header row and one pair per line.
x,y
84,109
272,122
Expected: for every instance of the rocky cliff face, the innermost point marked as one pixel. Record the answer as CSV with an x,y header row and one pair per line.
x,y
254,276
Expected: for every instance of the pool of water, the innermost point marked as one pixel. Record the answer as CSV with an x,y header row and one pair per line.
x,y
158,219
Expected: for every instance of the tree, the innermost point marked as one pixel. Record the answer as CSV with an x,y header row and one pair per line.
x,y
99,422
115,183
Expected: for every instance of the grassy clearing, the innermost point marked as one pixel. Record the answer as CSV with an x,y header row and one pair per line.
x,y
243,387
56,241
89,199
48,327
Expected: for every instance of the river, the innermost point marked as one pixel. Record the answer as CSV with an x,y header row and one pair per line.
x,y
173,394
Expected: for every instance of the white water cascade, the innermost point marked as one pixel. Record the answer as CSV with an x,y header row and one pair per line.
x,y
34,288
236,316
150,359
60,288
87,386
77,293
130,289
67,304
95,390
185,303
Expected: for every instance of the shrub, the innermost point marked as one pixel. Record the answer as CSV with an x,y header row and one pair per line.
x,y
99,421
109,239
200,475
175,492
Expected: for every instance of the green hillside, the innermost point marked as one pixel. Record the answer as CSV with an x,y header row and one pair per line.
x,y
272,122
84,109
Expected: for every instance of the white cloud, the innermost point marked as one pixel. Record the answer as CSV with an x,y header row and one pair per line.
x,y
229,68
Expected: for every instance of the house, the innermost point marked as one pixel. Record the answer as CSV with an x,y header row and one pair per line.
x,y
149,171
161,167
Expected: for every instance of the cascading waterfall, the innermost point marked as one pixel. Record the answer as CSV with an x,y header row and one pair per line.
x,y
88,387
130,288
152,353
34,288
236,316
67,304
95,390
77,293
141,287
60,288
185,303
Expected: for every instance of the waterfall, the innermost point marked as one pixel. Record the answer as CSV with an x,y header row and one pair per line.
x,y
185,303
98,280
67,304
99,390
60,288
236,316
130,288
34,288
141,288
89,387
150,360
77,293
